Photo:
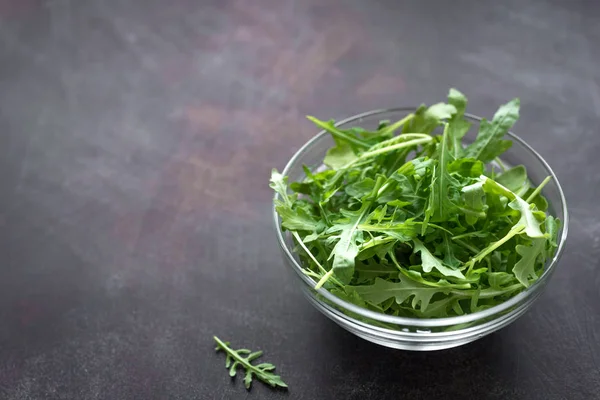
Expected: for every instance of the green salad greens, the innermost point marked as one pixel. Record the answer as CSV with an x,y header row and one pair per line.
x,y
410,221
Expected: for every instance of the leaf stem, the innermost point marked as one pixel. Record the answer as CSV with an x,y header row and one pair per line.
x,y
538,189
488,250
391,128
376,241
336,132
500,163
465,235
324,279
388,149
235,355
485,294
467,246
312,257
399,139
478,214
301,243
433,226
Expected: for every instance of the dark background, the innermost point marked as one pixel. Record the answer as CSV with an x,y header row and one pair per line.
x,y
136,142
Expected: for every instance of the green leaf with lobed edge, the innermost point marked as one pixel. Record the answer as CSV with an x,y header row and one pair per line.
x,y
458,126
339,134
339,155
450,251
552,225
498,280
370,269
346,249
525,267
528,220
361,188
439,204
466,167
279,185
474,206
295,220
236,358
430,262
402,231
382,290
489,143
426,119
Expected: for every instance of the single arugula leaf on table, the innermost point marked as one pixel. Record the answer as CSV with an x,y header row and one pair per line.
x,y
243,358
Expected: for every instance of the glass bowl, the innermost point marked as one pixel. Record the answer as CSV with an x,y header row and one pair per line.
x,y
415,333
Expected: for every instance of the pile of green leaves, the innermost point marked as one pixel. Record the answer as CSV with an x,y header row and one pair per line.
x,y
410,222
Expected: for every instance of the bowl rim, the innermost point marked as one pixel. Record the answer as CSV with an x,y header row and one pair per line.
x,y
424,322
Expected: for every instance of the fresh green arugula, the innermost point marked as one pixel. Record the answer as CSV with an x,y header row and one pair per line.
x,y
410,220
243,358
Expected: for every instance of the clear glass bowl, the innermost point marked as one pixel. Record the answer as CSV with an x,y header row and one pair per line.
x,y
415,333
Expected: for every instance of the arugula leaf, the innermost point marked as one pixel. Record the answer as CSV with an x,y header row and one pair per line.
x,y
402,231
262,371
369,269
450,251
339,134
457,125
528,218
430,262
515,179
340,155
552,225
427,119
279,185
439,204
498,280
295,220
528,221
361,188
489,143
474,207
525,267
346,249
382,290
466,167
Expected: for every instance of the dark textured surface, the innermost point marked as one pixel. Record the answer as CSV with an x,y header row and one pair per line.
x,y
136,140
